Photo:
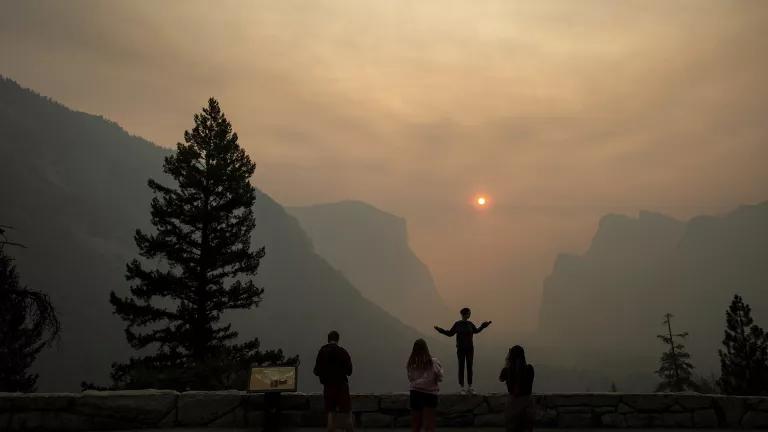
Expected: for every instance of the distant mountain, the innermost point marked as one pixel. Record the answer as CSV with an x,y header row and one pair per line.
x,y
74,187
611,299
371,248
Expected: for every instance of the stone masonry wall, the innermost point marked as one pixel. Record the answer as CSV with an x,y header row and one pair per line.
x,y
92,410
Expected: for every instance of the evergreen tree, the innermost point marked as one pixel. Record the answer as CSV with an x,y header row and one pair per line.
x,y
28,323
676,370
744,362
204,240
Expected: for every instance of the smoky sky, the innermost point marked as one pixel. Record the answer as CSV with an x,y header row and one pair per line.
x,y
560,111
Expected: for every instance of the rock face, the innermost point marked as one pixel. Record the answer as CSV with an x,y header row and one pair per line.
x,y
371,248
75,179
638,268
234,409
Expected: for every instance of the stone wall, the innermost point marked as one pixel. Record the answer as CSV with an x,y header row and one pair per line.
x,y
93,410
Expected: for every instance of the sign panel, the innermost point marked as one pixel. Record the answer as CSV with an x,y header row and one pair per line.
x,y
273,379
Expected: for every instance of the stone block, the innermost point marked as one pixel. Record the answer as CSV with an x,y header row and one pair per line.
x,y
43,401
496,403
50,420
583,399
694,402
147,407
6,401
676,407
454,420
254,419
651,402
544,417
624,409
315,402
603,410
299,401
489,420
676,420
376,420
730,409
313,418
574,420
458,404
574,409
755,420
762,404
196,408
232,419
638,420
395,402
5,421
403,422
291,418
613,420
169,421
365,403
482,408
112,423
706,418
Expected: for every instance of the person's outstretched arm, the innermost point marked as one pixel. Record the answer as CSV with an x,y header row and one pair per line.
x,y
448,333
482,326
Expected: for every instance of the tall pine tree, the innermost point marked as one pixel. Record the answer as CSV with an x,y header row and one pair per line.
x,y
676,371
203,238
28,323
744,362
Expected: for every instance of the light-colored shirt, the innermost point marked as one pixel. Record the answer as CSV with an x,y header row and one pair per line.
x,y
426,380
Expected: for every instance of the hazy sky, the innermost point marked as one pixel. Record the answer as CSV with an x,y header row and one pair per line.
x,y
560,111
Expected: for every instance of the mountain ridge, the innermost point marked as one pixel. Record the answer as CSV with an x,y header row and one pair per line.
x,y
74,186
371,247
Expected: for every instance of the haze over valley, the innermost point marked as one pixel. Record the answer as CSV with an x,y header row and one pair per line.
x,y
620,148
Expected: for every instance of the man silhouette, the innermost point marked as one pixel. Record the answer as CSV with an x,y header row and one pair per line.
x,y
333,365
464,329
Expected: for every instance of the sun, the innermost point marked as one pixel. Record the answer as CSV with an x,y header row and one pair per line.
x,y
481,201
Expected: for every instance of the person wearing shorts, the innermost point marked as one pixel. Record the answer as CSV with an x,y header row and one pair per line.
x,y
424,374
333,365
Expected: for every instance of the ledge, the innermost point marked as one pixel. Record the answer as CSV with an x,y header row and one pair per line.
x,y
136,409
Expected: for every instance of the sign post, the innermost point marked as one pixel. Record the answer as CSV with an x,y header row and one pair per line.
x,y
272,381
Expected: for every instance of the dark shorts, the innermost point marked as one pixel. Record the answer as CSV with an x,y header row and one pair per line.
x,y
421,400
336,397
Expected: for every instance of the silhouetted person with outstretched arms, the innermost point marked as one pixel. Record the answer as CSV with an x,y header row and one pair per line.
x,y
333,366
464,329
518,375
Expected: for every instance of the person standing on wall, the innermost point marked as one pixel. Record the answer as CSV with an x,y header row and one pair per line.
x,y
464,329
333,365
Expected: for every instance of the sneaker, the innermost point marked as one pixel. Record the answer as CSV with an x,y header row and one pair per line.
x,y
463,390
470,391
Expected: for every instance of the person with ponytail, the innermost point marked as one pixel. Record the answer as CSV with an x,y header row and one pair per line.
x,y
518,375
424,373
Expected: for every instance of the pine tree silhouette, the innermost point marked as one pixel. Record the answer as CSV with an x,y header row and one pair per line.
x,y
28,323
744,362
676,370
203,237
